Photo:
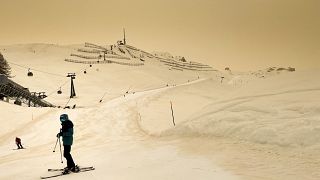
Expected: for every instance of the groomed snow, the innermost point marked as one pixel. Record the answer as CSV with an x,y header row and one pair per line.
x,y
246,127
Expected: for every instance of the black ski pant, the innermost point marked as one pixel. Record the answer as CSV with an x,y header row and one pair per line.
x,y
19,146
67,155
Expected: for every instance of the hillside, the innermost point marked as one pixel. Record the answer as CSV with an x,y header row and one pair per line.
x,y
226,128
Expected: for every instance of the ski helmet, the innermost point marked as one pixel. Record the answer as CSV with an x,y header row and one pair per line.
x,y
63,117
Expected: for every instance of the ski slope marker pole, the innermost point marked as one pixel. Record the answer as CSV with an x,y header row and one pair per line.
x,y
172,114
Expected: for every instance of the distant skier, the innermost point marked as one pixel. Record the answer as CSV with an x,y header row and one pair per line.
x,y
18,142
67,137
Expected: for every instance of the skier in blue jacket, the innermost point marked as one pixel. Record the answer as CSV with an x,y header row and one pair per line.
x,y
67,137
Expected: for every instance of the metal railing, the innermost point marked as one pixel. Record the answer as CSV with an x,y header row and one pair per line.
x,y
14,91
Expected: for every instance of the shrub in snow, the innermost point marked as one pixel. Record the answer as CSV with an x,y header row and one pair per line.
x,y
4,66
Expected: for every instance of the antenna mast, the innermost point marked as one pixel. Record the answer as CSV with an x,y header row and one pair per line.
x,y
124,36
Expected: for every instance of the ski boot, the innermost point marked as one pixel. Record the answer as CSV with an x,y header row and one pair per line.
x,y
75,169
66,170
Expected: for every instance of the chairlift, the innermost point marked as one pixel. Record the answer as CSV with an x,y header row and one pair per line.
x,y
222,78
59,91
30,73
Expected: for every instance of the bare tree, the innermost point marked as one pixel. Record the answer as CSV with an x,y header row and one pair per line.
x,y
4,66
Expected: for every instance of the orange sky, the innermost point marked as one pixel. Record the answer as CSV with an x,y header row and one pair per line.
x,y
241,34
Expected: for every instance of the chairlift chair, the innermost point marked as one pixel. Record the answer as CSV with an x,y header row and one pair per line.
x,y
59,91
30,73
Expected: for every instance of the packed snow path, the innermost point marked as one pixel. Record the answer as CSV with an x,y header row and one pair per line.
x,y
110,138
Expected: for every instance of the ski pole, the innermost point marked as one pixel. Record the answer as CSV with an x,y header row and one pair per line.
x,y
60,150
54,150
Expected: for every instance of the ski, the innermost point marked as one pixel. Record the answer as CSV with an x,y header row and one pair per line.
x,y
80,168
52,176
61,174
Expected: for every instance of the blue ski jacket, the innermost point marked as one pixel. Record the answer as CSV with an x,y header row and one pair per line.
x,y
67,132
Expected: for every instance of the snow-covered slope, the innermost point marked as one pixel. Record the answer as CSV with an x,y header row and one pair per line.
x,y
230,128
282,110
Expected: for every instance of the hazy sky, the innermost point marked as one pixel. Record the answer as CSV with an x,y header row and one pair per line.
x,y
240,34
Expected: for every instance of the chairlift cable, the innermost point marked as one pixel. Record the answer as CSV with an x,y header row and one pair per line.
x,y
35,69
67,102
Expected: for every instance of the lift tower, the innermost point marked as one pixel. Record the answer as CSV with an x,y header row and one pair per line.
x,y
72,76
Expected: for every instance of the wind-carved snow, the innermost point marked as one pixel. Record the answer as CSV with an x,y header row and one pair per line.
x,y
268,112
